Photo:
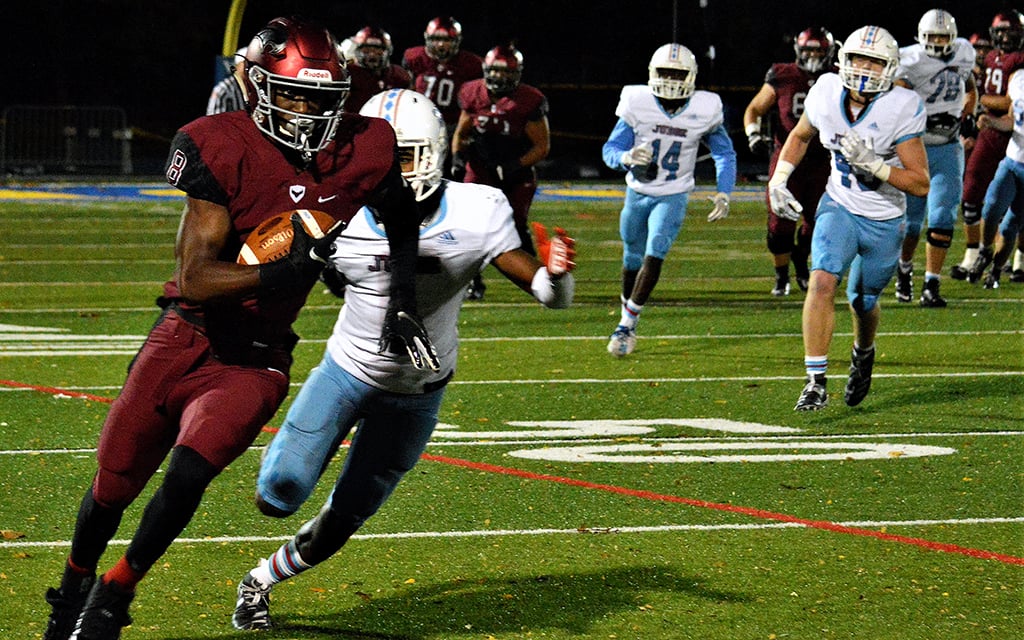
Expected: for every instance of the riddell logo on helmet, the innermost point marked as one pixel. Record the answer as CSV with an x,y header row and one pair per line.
x,y
314,74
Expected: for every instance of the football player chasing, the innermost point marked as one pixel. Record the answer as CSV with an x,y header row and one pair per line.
x,y
395,405
655,141
215,367
873,131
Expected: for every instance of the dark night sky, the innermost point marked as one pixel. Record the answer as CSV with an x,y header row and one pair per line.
x,y
156,58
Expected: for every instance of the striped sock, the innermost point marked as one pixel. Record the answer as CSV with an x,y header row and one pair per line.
x,y
815,365
284,564
630,314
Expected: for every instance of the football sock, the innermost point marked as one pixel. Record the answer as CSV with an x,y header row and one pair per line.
x,y
782,272
862,350
906,267
282,565
929,276
123,575
630,314
970,255
1018,260
815,365
73,577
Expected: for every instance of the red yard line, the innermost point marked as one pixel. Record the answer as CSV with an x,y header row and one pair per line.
x,y
719,506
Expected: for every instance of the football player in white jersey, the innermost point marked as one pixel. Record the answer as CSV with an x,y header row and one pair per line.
x,y
873,132
465,227
940,69
1004,198
656,139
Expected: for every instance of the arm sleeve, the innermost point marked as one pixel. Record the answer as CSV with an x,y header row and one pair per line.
x,y
620,141
724,155
396,207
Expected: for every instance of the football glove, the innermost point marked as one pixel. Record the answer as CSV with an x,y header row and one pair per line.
x,y
861,155
721,208
306,258
758,143
458,167
639,155
403,329
558,254
784,204
969,127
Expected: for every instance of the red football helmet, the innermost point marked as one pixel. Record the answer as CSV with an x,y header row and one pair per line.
x,y
297,83
373,48
982,45
503,68
814,48
1007,30
443,37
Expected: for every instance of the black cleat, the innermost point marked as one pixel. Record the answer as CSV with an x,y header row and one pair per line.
x,y
957,272
252,609
904,284
930,296
105,612
66,607
814,396
859,382
977,270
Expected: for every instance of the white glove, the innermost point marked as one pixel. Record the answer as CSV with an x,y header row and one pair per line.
x,y
721,210
861,154
784,204
641,154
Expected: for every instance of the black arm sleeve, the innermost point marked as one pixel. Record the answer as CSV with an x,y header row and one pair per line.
x,y
395,206
186,170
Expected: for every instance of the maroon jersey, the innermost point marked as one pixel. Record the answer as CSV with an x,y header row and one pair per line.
x,y
226,160
440,81
791,84
990,145
499,123
998,68
366,84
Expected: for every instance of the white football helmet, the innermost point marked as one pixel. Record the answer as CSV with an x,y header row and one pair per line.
x,y
673,72
871,42
421,133
937,23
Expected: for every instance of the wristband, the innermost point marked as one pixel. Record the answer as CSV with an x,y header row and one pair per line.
x,y
553,293
783,169
751,129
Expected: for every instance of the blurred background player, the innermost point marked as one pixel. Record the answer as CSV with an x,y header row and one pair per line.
x,y
371,69
660,128
395,405
501,135
873,130
1001,221
782,95
229,93
1007,34
940,69
440,67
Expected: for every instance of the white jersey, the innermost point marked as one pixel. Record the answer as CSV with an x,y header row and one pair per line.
x,y
889,119
676,136
942,85
472,226
1015,91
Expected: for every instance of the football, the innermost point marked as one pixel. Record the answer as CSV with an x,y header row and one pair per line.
x,y
272,239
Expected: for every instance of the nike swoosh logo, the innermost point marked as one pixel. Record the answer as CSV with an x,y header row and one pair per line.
x,y
323,199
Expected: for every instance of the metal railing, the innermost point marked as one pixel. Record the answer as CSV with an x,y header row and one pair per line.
x,y
47,140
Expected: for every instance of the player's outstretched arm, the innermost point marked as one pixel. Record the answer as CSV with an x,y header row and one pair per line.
x,y
549,279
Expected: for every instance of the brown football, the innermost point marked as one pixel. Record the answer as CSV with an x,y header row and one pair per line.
x,y
272,239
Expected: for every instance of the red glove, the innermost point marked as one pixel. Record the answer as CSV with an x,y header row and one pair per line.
x,y
556,253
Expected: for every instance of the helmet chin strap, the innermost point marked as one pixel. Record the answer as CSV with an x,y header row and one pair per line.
x,y
303,130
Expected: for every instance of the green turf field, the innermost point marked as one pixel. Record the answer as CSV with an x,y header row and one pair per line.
x,y
566,494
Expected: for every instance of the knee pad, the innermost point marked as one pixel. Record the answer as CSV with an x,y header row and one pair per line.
x,y
779,244
972,213
941,238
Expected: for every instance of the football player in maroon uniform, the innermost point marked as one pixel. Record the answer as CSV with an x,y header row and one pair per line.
x,y
501,134
782,97
215,367
371,70
1007,32
440,67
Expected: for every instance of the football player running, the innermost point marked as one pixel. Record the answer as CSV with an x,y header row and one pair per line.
x,y
940,69
215,367
873,131
501,135
464,227
660,128
782,95
371,69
